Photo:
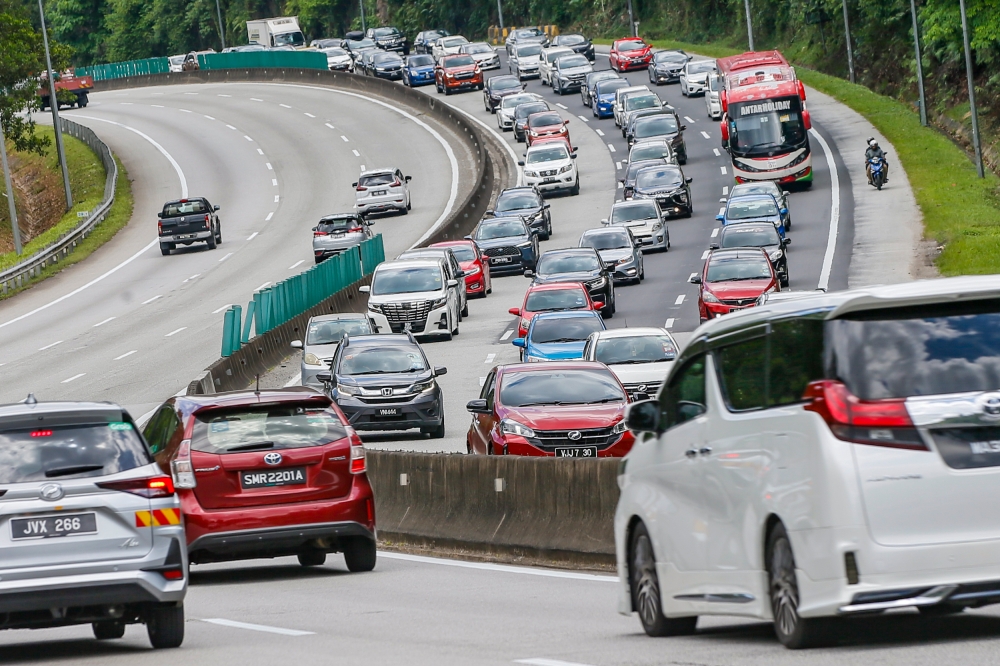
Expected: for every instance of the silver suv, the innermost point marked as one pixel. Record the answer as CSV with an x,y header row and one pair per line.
x,y
382,190
338,233
90,527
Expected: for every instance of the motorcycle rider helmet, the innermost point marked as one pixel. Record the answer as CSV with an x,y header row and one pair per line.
x,y
872,142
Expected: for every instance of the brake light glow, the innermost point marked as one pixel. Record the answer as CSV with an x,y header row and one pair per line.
x,y
362,188
358,463
208,221
41,433
319,233
159,228
874,422
173,574
152,487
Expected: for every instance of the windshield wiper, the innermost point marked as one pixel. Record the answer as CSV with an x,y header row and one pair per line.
x,y
562,340
635,361
758,277
252,446
73,469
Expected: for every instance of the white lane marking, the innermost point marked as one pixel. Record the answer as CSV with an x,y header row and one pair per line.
x,y
599,132
831,239
74,377
262,286
183,110
275,198
210,117
224,307
621,186
329,125
192,277
254,99
562,106
705,134
507,334
716,151
611,148
356,153
190,93
257,627
150,300
704,255
247,138
725,190
252,236
128,353
230,127
223,95
723,169
680,299
225,257
260,152
362,167
722,210
618,165
540,661
691,276
266,219
125,103
50,346
297,264
489,358
310,115
285,106
269,167
482,380
690,119
486,566
344,138
583,118
157,106
102,323
274,181
175,332
669,323
715,232
295,381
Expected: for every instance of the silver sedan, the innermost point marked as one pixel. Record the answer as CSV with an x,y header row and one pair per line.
x,y
621,255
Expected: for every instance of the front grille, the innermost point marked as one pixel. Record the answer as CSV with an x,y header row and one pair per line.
x,y
465,75
502,251
550,439
550,172
651,388
407,311
739,302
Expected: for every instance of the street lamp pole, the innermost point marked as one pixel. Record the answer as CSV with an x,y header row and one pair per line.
x,y
10,194
54,105
850,49
361,3
631,20
222,27
920,64
746,3
972,92
500,14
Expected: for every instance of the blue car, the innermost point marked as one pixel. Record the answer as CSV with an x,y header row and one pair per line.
x,y
558,336
418,70
754,208
604,97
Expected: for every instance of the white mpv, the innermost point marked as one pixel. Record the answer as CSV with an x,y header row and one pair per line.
x,y
821,457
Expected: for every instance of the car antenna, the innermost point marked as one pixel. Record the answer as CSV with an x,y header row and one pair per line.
x,y
256,391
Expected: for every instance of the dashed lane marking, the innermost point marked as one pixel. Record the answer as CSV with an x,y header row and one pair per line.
x,y
669,323
599,132
225,257
356,153
705,134
50,346
275,198
618,165
723,169
504,568
329,125
274,181
284,106
309,114
230,127
690,119
344,138
102,323
125,355
611,148
73,378
257,627
150,300
247,138
297,264
680,299
262,286
583,118
489,358
562,106
507,334
260,152
725,190
704,255
716,151
266,219
254,234
224,307
541,661
269,167
175,332
254,99
715,232
210,117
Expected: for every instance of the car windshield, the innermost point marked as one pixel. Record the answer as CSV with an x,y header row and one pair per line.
x,y
727,269
359,44
459,61
669,56
181,208
384,58
330,332
334,52
655,126
608,87
372,180
385,32
70,452
611,239
463,252
547,300
649,151
516,100
744,189
380,360
560,387
500,229
563,329
478,48
542,154
634,167
750,235
701,67
525,110
571,40
332,224
529,50
554,54
407,280
176,60
421,61
435,34
631,45
745,209
266,428
544,120
637,349
634,102
657,177
570,61
517,201
290,39
452,42
504,83
640,210
583,262
530,32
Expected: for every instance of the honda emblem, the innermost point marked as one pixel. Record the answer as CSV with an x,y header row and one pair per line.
x,y
387,391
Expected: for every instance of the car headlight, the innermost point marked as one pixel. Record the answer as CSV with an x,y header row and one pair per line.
x,y
599,282
422,386
774,255
709,297
619,428
623,260
657,226
311,359
532,132
348,390
531,174
449,75
511,427
375,307
567,168
525,323
439,302
475,270
526,244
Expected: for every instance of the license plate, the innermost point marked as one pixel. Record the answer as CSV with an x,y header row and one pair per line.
x,y
389,411
549,180
183,236
577,452
379,193
501,260
288,476
48,527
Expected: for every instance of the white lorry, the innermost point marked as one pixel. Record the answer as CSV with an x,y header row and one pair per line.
x,y
275,32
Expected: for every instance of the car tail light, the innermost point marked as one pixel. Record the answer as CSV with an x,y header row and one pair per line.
x,y
173,574
358,463
159,228
156,486
182,468
362,188
396,183
319,233
208,221
354,230
874,422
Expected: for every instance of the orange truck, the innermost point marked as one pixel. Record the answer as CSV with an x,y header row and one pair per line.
x,y
68,81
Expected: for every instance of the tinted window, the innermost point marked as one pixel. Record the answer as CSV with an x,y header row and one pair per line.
x,y
656,177
517,201
742,268
420,61
605,87
669,56
609,240
380,360
552,153
266,428
407,280
566,62
192,207
564,329
634,102
654,126
525,110
452,42
796,359
568,263
459,61
649,151
517,100
386,58
742,368
377,179
335,52
544,119
529,50
921,350
637,349
635,45
70,452
500,229
555,299
477,48
633,168
645,210
503,83
329,332
463,252
560,387
750,235
747,209
701,67
571,40
329,225
684,397
385,32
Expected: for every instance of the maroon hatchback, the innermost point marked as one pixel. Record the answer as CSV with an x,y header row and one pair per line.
x,y
267,474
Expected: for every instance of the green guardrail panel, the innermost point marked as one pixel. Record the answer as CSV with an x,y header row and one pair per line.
x,y
119,70
260,59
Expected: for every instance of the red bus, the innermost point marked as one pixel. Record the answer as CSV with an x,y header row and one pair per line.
x,y
765,124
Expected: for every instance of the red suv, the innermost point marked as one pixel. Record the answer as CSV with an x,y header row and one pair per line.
x,y
457,72
566,409
733,280
477,269
267,474
629,54
552,297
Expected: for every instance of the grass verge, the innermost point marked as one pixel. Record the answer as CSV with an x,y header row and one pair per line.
x,y
961,211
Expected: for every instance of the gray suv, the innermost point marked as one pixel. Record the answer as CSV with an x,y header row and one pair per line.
x,y
90,527
338,233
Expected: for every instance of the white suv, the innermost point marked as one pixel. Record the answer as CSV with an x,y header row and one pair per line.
x,y
413,295
827,456
551,167
382,190
547,63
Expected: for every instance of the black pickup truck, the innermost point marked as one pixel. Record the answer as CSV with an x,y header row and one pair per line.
x,y
187,221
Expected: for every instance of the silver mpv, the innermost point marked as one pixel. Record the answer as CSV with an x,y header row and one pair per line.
x,y
338,233
90,527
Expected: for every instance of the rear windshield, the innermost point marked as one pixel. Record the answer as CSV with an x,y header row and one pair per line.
x,y
560,387
641,102
565,62
463,252
564,329
504,83
420,60
529,50
746,235
605,87
330,332
193,207
669,56
555,299
377,179
608,240
266,428
568,263
643,210
638,349
656,177
70,452
517,201
381,360
741,268
650,151
744,210
655,126
329,225
920,350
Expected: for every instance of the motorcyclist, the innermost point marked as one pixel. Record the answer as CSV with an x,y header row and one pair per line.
x,y
875,151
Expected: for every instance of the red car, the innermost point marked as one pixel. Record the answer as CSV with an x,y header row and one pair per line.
x,y
566,409
546,125
733,280
475,265
267,474
550,298
629,54
457,72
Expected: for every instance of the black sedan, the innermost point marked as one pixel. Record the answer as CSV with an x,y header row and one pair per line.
x,y
525,202
667,66
508,244
668,187
762,235
498,87
387,65
577,42
661,127
579,264
628,182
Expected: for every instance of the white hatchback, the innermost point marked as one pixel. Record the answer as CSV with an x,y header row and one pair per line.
x,y
821,457
551,167
381,191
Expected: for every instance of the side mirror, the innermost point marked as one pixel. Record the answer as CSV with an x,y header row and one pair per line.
x,y
566,122
468,238
325,377
520,163
490,212
683,127
515,311
695,279
688,179
478,406
643,416
620,180
296,344
354,184
216,207
519,342
546,206
440,370
786,241
408,178
598,305
315,228
529,273
572,156
783,211
713,246
364,289
452,283
720,218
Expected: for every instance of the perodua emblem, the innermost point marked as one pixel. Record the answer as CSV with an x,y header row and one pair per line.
x,y
51,492
272,458
574,435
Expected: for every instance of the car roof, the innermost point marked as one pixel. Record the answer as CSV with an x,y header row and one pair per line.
x,y
519,188
566,314
338,316
546,144
196,403
373,172
553,365
632,332
555,286
633,203
409,263
571,250
751,197
453,243
735,252
606,230
45,413
382,339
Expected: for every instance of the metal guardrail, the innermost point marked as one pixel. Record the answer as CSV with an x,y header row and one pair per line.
x,y
19,275
117,70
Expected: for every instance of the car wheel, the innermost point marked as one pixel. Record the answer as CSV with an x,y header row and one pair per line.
x,y
165,626
104,631
437,432
644,586
642,271
465,310
359,554
312,558
218,234
793,631
576,187
447,91
480,87
211,242
165,248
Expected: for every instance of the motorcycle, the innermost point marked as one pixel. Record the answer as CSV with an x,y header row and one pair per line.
x,y
877,166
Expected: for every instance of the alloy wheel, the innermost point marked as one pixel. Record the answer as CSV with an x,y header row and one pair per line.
x,y
645,585
784,589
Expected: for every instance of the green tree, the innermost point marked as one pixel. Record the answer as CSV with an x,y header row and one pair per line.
x,y
21,58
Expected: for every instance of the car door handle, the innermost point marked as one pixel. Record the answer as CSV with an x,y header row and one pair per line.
x,y
705,450
691,453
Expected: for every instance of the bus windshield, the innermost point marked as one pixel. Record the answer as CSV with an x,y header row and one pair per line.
x,y
766,127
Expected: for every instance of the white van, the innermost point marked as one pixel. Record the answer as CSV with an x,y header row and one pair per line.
x,y
828,456
413,295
